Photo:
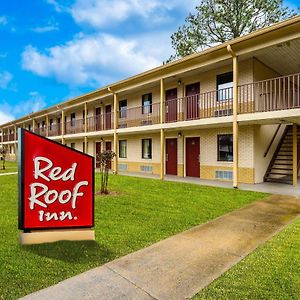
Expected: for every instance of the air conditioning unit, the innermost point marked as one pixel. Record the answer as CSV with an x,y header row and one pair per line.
x,y
223,112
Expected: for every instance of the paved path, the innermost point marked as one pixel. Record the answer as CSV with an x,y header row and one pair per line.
x,y
264,187
180,266
5,174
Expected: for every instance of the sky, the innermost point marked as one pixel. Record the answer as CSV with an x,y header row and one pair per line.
x,y
53,50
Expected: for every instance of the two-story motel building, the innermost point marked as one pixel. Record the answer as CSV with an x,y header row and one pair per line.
x,y
230,112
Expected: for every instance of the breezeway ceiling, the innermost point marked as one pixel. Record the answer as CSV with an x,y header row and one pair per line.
x,y
283,58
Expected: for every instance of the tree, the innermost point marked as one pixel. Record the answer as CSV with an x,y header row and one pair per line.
x,y
217,21
104,158
3,153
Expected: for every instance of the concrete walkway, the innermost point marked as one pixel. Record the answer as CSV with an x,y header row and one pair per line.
x,y
180,266
265,187
5,174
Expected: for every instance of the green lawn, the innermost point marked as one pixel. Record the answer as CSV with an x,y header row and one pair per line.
x,y
270,272
10,167
145,212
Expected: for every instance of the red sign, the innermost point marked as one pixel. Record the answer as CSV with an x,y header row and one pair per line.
x,y
56,185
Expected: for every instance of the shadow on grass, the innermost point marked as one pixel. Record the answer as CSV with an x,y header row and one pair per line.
x,y
73,252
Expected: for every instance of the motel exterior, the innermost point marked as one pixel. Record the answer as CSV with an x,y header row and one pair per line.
x,y
231,112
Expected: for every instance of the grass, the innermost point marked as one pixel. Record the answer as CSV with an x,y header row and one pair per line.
x,y
145,212
10,167
270,272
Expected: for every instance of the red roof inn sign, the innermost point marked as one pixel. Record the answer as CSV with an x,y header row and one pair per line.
x,y
56,191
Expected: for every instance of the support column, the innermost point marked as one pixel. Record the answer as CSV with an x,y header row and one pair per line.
x,y
85,117
62,127
295,158
85,145
85,128
33,125
116,138
235,123
162,133
47,126
162,154
15,143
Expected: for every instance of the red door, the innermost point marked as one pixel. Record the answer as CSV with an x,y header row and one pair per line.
x,y
192,156
98,119
108,117
171,156
171,105
108,147
98,150
192,101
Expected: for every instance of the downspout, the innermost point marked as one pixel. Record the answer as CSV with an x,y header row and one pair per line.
x,y
115,162
235,113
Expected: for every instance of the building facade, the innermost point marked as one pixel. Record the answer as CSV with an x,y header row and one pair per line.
x,y
230,112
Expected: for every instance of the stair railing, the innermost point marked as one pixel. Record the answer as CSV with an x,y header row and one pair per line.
x,y
272,140
276,151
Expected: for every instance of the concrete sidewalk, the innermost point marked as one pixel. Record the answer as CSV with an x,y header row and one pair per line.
x,y
264,187
6,174
180,266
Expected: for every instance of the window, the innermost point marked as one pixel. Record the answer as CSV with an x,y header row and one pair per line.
x,y
147,148
225,147
122,148
224,86
29,127
50,124
147,103
83,117
73,145
123,108
43,125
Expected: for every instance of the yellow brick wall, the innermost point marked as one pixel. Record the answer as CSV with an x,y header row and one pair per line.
x,y
134,148
135,167
246,175
209,145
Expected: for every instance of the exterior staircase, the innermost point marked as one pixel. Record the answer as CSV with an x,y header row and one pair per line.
x,y
281,166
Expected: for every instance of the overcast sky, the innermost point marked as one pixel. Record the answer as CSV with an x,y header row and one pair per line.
x,y
53,50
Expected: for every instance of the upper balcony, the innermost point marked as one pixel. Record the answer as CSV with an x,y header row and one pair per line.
x,y
275,94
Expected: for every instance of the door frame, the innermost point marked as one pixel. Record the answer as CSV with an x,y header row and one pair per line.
x,y
165,147
184,153
177,108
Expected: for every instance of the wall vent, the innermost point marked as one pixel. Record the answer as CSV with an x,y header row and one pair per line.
x,y
122,167
146,168
224,175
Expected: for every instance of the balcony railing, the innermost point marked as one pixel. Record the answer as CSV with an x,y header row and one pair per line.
x,y
270,95
74,126
274,94
100,122
54,129
139,116
41,131
199,106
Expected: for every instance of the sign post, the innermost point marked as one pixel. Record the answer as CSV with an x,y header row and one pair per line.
x,y
56,191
